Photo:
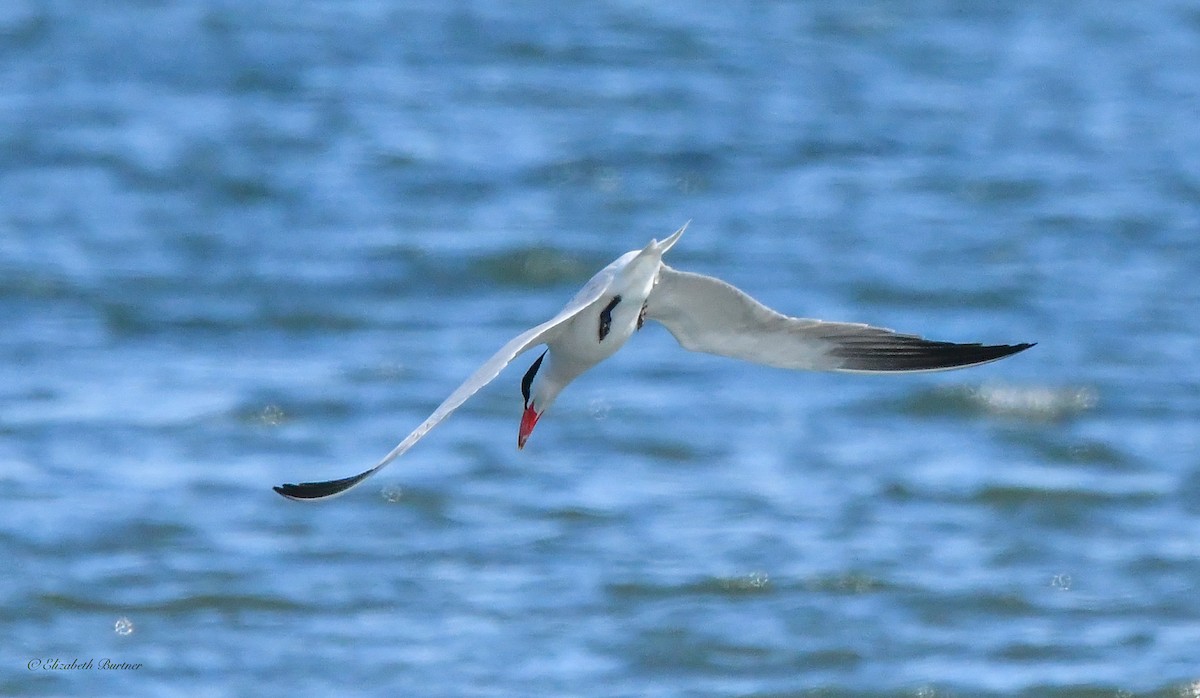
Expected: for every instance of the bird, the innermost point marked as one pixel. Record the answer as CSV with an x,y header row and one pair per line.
x,y
705,314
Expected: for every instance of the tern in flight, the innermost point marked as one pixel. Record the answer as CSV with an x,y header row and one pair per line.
x,y
704,314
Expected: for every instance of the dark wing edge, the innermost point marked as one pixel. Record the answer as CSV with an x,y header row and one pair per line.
x,y
893,353
307,491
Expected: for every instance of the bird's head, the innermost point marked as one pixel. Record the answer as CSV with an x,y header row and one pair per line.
x,y
538,397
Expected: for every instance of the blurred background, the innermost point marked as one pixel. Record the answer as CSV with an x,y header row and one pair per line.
x,y
251,243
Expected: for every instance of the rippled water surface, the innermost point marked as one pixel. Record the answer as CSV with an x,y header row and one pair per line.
x,y
250,243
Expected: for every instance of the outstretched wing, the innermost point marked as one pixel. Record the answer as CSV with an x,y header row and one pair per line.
x,y
593,290
709,315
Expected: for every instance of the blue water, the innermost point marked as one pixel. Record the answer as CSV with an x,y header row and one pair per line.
x,y
251,243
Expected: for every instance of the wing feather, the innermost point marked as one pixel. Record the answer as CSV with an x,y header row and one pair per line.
x,y
708,315
491,368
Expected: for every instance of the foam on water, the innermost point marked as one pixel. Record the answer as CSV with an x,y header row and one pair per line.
x,y
1035,402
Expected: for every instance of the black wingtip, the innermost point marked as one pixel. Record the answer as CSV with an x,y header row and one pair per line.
x,y
909,353
966,355
307,491
1018,348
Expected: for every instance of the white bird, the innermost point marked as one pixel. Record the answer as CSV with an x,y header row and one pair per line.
x,y
704,314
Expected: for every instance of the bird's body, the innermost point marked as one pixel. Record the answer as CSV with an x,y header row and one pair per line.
x,y
598,329
595,334
704,314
